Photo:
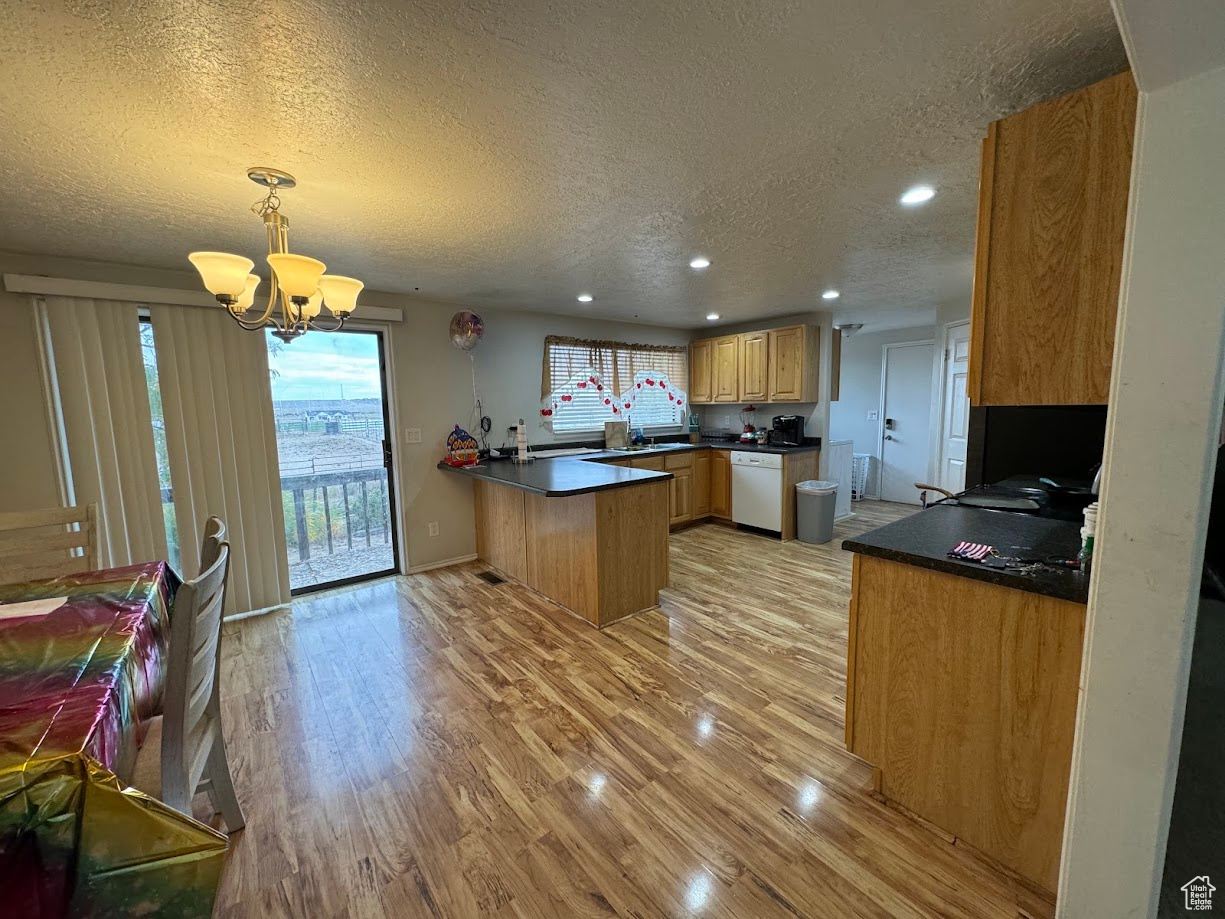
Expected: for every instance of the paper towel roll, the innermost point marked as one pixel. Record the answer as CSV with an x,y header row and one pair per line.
x,y
521,440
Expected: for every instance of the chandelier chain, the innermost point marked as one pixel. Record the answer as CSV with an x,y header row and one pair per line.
x,y
267,204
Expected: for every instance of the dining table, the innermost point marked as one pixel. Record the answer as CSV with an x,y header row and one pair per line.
x,y
82,670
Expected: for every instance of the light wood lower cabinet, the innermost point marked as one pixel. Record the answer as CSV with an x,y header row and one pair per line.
x,y
499,516
964,695
721,484
680,495
602,555
701,484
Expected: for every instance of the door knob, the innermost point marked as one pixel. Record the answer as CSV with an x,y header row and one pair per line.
x,y
888,437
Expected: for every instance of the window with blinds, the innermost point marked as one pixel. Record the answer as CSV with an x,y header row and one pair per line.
x,y
586,383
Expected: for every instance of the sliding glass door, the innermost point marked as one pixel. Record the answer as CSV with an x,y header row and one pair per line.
x,y
334,439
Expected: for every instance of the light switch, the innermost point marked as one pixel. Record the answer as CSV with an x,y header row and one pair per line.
x,y
412,435
873,416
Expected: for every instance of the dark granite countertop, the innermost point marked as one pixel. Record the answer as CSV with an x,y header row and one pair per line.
x,y
605,455
580,474
760,448
923,538
583,473
559,477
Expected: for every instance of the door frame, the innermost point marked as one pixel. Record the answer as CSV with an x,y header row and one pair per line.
x,y
389,433
935,461
880,415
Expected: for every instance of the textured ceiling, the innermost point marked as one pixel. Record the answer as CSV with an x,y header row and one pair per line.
x,y
517,154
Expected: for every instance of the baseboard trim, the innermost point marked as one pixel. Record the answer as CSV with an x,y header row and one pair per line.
x,y
444,563
251,614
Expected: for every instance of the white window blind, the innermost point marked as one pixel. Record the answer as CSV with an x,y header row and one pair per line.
x,y
586,383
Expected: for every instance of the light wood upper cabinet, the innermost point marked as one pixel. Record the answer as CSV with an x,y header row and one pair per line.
x,y
775,365
701,378
1051,221
725,362
793,364
754,366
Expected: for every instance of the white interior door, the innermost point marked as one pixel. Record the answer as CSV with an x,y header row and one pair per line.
x,y
955,420
906,392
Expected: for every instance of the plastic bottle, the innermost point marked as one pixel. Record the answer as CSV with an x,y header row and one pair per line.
x,y
1087,534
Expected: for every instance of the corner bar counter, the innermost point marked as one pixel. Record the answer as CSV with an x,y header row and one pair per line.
x,y
591,537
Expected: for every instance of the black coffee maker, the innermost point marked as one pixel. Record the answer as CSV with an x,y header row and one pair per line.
x,y
787,431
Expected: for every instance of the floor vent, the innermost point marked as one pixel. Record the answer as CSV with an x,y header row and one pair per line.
x,y
491,578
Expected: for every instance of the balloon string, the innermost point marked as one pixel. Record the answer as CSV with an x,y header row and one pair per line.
x,y
477,410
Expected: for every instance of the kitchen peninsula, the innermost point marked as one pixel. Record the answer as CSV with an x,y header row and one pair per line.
x,y
590,531
962,678
589,536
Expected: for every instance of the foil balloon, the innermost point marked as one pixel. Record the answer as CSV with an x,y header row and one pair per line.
x,y
466,330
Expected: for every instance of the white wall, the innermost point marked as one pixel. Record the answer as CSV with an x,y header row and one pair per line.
x,y
1165,413
859,392
29,480
433,383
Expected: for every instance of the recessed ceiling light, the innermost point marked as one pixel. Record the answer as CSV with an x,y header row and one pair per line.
x,y
830,295
712,316
584,298
700,263
917,195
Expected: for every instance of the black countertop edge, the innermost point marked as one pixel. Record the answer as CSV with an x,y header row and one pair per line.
x,y
810,443
559,477
678,447
924,538
583,473
760,448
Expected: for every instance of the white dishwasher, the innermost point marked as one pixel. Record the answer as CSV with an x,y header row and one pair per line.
x,y
757,489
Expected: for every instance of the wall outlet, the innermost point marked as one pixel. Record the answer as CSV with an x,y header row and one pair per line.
x,y
873,416
412,435
725,421
433,527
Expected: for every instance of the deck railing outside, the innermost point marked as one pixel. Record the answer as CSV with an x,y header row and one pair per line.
x,y
337,519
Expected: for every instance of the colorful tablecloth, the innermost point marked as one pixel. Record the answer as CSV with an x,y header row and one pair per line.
x,y
75,686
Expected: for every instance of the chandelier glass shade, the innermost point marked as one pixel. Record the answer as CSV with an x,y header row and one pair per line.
x,y
299,289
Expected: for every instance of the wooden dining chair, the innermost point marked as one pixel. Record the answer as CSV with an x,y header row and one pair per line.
x,y
211,543
184,751
210,549
48,543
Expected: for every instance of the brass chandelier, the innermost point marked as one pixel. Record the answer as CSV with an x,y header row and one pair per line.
x,y
300,289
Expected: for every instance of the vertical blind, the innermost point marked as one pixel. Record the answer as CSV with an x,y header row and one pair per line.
x,y
221,442
102,401
585,383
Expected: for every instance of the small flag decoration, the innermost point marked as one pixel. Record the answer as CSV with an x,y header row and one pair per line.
x,y
970,551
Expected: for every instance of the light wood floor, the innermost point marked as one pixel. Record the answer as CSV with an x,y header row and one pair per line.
x,y
436,746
